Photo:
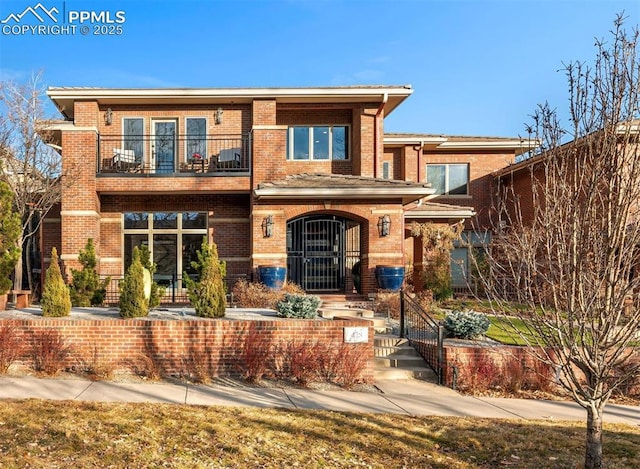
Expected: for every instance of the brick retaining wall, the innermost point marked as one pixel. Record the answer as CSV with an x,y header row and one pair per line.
x,y
171,344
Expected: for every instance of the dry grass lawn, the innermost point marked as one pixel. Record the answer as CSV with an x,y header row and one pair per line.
x,y
50,434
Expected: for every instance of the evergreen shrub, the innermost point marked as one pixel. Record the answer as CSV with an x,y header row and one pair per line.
x,y
133,304
207,294
466,324
298,306
56,300
86,287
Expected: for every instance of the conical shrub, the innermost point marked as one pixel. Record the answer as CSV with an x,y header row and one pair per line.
x,y
56,301
207,294
10,229
157,292
133,304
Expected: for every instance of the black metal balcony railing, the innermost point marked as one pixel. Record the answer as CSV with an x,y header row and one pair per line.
x,y
218,155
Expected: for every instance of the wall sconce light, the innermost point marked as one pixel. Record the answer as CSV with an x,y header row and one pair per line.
x,y
219,112
108,116
267,226
384,225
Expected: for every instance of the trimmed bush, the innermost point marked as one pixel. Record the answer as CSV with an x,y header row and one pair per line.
x,y
466,324
298,306
133,304
10,230
157,292
86,287
207,294
56,300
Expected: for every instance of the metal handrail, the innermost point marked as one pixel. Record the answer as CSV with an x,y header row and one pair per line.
x,y
424,333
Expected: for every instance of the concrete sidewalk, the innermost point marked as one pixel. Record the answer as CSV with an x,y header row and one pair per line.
x,y
409,397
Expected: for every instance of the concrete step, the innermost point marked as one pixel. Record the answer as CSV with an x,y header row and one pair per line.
x,y
400,362
401,351
379,325
331,312
426,374
387,340
344,304
395,358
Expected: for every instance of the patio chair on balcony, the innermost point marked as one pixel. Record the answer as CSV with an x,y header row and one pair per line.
x,y
224,161
125,160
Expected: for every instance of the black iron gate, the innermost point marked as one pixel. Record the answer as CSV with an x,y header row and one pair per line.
x,y
316,254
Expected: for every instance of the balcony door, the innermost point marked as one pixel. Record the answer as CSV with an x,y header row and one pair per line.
x,y
163,145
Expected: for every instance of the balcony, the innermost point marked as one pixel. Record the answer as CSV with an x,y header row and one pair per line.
x,y
174,155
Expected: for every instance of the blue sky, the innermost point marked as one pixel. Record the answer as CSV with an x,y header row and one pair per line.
x,y
477,67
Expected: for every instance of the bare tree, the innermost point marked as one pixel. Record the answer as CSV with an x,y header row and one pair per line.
x,y
567,233
30,167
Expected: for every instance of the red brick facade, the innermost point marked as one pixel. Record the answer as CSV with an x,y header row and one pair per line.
x,y
93,203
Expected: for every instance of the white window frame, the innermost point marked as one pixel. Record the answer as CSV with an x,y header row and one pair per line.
x,y
290,147
446,177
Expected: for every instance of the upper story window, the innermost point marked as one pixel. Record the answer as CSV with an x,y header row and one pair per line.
x,y
133,136
449,179
196,141
329,142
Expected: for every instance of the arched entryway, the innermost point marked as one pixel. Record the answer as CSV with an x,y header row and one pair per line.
x,y
321,250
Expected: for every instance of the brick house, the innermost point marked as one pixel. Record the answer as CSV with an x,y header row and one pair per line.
x,y
297,177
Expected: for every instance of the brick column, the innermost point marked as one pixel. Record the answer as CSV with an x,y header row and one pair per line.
x,y
269,158
80,207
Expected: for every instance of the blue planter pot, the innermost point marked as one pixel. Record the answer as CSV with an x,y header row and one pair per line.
x,y
272,277
390,277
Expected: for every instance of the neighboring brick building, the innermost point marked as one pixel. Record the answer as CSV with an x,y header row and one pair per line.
x,y
296,177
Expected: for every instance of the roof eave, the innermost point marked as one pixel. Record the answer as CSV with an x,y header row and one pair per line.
x,y
407,194
440,214
518,146
65,97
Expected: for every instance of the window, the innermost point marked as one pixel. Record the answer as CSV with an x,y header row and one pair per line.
x,y
133,136
385,170
317,143
196,142
450,179
173,239
461,260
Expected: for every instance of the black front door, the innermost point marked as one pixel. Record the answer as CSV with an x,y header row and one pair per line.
x,y
316,253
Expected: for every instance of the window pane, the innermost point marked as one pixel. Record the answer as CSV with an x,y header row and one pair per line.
x,y
458,178
133,221
164,256
133,131
435,177
339,143
300,143
131,241
385,170
165,221
191,243
321,143
196,137
459,267
192,220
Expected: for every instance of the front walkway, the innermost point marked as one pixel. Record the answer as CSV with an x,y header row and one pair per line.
x,y
410,397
